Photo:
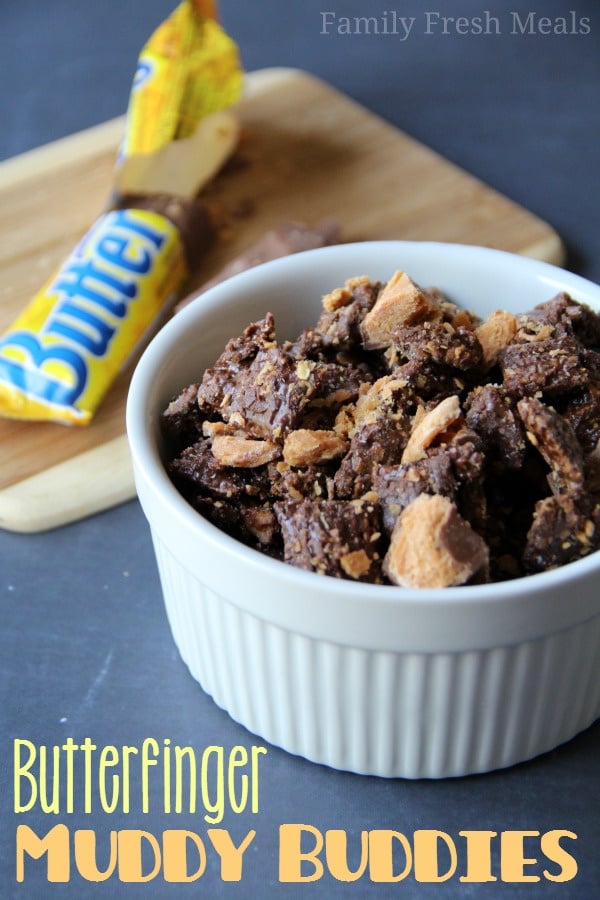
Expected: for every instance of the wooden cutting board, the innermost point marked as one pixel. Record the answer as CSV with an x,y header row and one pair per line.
x,y
307,153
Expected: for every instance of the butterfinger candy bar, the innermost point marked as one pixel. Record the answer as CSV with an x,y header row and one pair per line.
x,y
65,349
70,342
180,124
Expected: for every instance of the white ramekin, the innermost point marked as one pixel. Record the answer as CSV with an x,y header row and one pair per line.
x,y
372,679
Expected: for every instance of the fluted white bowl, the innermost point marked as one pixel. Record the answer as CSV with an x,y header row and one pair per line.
x,y
367,678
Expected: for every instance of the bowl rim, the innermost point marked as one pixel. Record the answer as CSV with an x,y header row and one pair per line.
x,y
152,478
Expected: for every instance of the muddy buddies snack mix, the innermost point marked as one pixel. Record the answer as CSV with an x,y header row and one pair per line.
x,y
401,440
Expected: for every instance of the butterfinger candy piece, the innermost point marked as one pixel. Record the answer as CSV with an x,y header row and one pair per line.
x,y
306,447
243,453
433,547
429,426
336,298
494,334
382,399
402,302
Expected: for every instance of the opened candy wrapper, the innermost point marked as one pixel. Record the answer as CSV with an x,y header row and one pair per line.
x,y
65,349
180,125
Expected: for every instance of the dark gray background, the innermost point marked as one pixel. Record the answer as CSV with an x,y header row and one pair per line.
x,y
84,645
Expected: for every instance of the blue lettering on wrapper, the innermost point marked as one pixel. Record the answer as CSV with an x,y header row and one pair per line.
x,y
95,336
145,70
85,280
117,250
33,381
129,221
94,290
113,250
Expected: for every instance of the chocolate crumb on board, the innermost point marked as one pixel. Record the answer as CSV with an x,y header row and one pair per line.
x,y
400,440
286,239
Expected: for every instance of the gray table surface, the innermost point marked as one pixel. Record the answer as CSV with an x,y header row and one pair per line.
x,y
85,648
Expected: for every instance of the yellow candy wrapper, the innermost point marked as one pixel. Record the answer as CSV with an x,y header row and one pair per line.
x,y
65,349
180,127
69,344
